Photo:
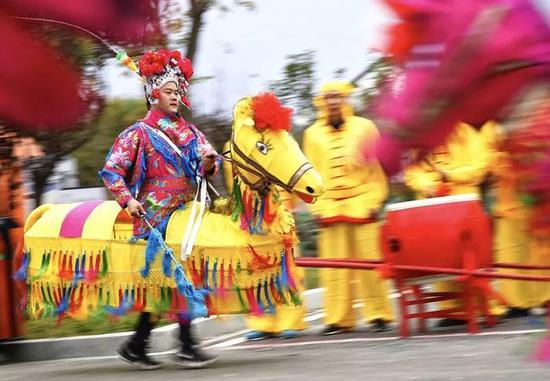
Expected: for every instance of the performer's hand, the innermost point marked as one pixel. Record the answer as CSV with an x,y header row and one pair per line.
x,y
135,208
209,164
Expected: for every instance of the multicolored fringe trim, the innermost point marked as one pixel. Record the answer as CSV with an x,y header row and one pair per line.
x,y
91,282
255,211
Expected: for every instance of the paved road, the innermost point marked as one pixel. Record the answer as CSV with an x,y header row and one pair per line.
x,y
500,353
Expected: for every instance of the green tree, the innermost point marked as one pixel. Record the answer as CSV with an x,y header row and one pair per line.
x,y
117,115
371,80
295,87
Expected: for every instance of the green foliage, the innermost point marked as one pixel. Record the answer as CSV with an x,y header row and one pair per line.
x,y
295,88
308,229
375,76
48,328
312,278
117,115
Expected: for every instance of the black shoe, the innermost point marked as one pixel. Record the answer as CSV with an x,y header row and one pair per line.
x,y
514,312
333,329
138,358
379,325
193,358
448,322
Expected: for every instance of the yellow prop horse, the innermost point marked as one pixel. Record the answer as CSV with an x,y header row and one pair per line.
x,y
243,253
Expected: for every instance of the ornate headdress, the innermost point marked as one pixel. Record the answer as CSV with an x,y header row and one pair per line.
x,y
162,66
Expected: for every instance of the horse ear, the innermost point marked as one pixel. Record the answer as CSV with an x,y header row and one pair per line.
x,y
242,114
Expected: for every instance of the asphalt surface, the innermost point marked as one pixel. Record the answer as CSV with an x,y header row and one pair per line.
x,y
499,353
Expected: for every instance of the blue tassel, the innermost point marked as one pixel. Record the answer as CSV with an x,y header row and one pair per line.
x,y
259,296
280,288
155,243
284,274
167,263
83,266
64,303
266,294
260,217
124,306
77,275
23,271
196,304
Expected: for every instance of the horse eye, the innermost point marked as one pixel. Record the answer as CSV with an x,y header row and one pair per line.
x,y
261,147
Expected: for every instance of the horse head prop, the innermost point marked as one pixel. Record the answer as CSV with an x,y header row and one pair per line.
x,y
263,152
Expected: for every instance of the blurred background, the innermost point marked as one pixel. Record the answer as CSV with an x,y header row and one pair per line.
x,y
53,144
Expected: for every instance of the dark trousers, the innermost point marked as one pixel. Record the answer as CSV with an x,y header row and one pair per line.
x,y
144,326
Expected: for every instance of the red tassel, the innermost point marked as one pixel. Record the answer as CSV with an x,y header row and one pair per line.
x,y
253,305
275,293
201,281
63,271
138,305
59,319
222,281
247,204
69,275
289,258
76,306
92,273
194,273
268,217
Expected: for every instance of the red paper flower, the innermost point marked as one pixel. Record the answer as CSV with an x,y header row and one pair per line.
x,y
155,93
186,68
176,56
154,62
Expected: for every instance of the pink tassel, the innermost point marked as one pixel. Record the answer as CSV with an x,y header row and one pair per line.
x,y
221,288
253,305
542,353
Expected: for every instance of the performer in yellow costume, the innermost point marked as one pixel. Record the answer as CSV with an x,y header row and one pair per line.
x,y
514,241
347,211
457,167
287,319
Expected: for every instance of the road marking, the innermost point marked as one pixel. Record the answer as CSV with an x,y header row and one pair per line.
x,y
234,344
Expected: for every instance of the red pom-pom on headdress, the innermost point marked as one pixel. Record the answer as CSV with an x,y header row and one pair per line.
x,y
270,114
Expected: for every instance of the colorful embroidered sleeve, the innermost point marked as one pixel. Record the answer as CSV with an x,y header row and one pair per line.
x,y
206,149
119,165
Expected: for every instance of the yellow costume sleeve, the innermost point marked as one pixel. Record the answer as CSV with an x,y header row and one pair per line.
x,y
470,157
422,179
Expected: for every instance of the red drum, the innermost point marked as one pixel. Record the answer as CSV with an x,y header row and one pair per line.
x,y
437,232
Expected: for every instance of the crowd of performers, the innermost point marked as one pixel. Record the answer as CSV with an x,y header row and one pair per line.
x,y
348,213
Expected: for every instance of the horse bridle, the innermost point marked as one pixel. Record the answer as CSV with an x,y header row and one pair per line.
x,y
266,178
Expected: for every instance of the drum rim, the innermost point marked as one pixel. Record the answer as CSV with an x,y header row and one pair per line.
x,y
432,201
